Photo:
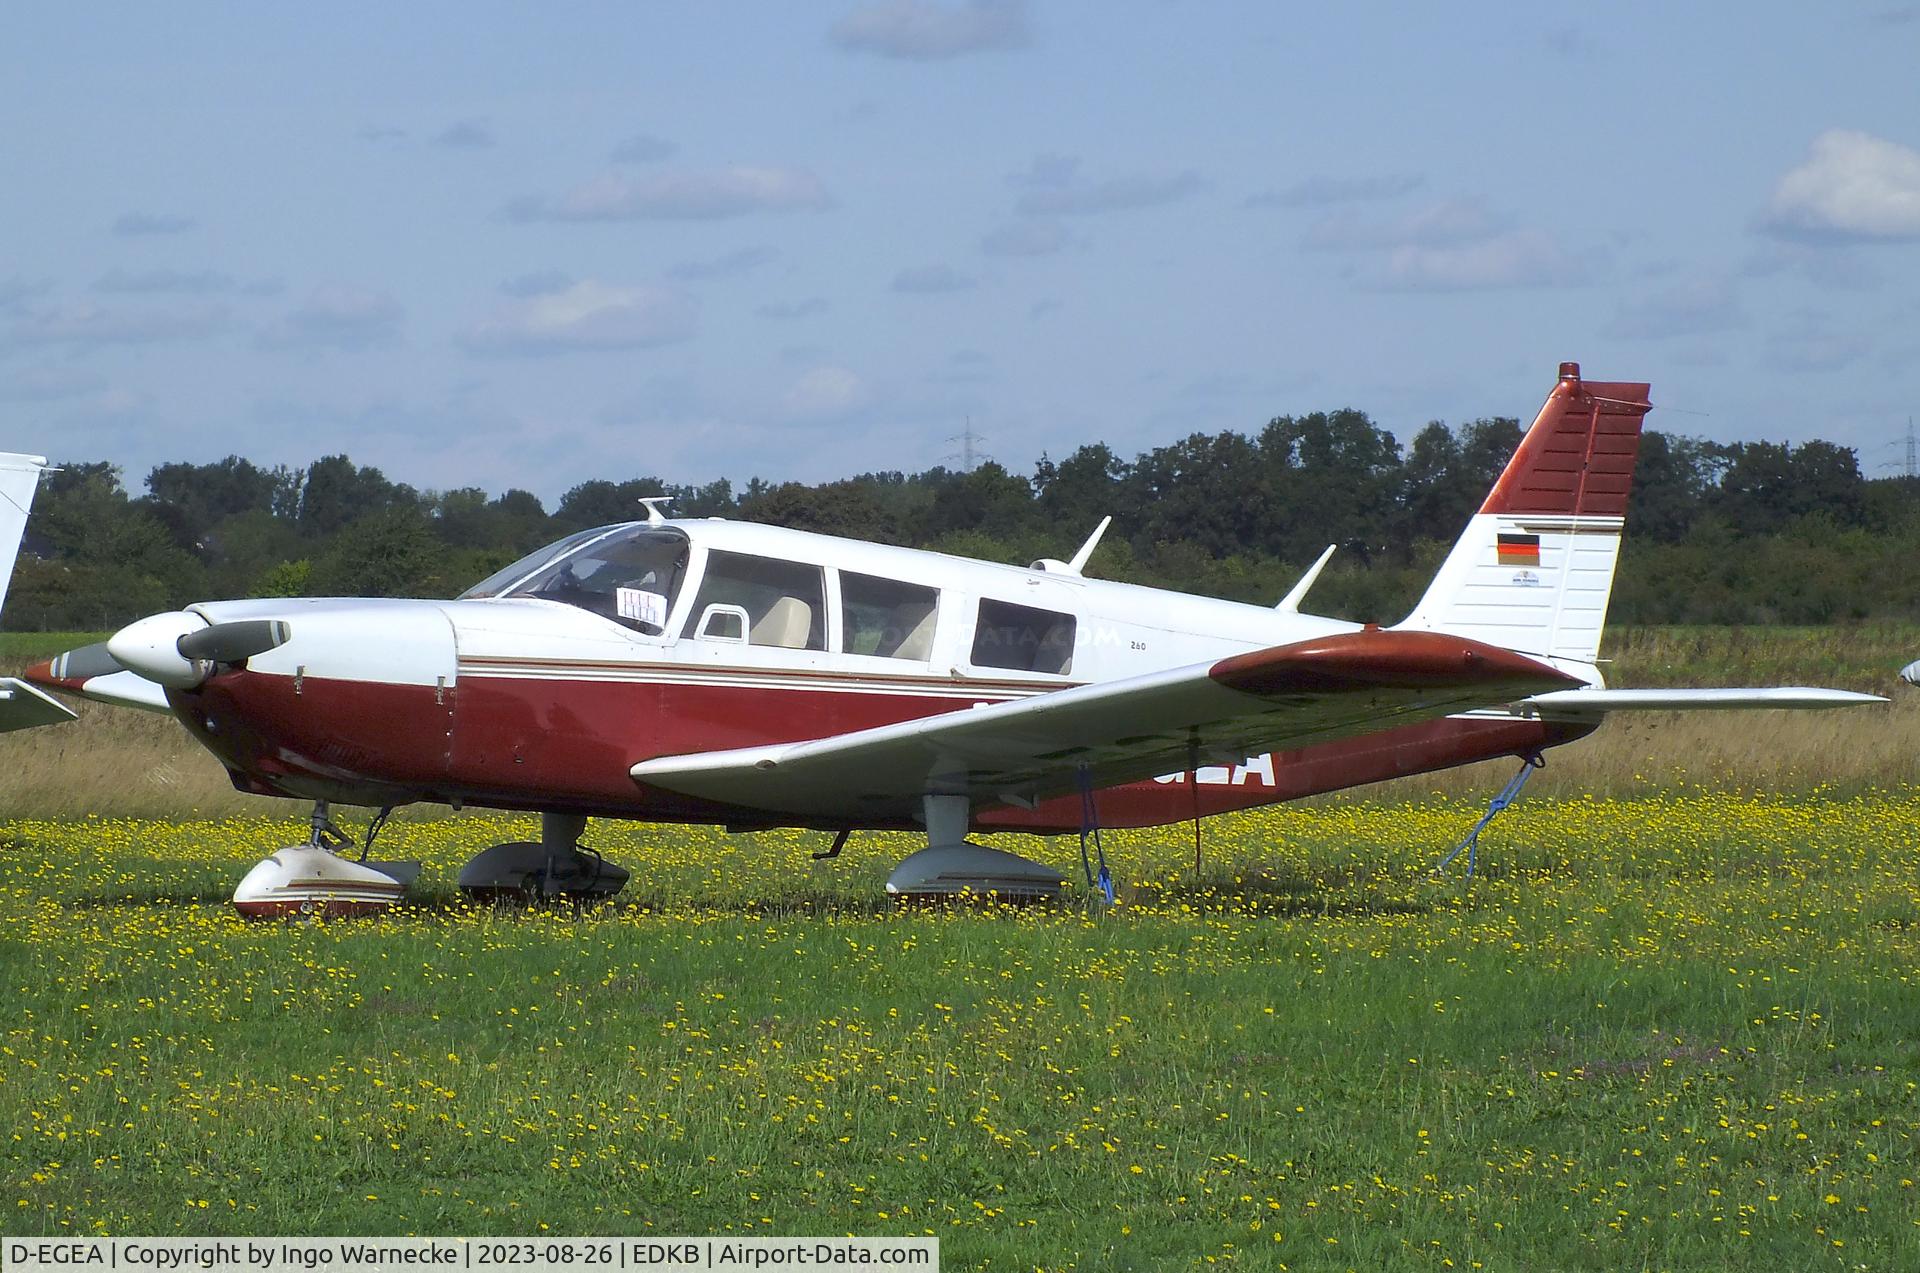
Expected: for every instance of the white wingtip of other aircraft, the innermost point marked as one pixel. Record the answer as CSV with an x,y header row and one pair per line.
x,y
22,706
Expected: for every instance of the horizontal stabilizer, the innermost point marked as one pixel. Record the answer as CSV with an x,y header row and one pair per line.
x,y
24,707
1588,704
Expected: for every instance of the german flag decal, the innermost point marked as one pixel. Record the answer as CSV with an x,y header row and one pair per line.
x,y
1519,550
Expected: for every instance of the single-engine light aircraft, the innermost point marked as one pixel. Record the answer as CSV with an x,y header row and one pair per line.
x,y
708,671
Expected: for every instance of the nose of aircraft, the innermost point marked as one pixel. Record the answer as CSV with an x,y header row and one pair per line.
x,y
151,648
178,649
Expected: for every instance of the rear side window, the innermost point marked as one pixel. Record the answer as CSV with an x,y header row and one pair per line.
x,y
785,601
1023,639
887,618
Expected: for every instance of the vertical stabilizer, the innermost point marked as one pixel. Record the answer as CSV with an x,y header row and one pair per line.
x,y
1534,568
19,476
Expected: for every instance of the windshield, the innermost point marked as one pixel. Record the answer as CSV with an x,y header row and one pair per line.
x,y
630,575
497,582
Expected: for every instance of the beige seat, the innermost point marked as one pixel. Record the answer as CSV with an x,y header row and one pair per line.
x,y
917,644
785,624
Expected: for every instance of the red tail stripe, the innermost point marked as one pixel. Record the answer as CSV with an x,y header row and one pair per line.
x,y
1579,455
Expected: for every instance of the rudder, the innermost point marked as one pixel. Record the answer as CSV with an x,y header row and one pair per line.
x,y
1534,569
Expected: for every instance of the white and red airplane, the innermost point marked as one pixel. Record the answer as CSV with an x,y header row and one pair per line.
x,y
707,671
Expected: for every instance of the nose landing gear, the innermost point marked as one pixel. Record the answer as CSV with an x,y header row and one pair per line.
x,y
314,879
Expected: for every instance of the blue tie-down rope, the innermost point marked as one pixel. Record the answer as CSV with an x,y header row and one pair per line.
x,y
1090,825
1495,807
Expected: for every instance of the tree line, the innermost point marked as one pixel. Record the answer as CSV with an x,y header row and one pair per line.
x,y
1747,532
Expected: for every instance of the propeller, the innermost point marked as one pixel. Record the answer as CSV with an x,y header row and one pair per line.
x,y
232,642
179,650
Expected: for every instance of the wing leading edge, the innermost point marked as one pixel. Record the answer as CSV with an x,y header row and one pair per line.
x,y
1120,731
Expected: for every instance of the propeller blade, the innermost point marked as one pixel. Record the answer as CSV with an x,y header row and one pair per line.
x,y
232,642
84,664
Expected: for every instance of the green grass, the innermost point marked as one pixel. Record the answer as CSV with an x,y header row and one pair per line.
x,y
1865,656
1654,1034
17,649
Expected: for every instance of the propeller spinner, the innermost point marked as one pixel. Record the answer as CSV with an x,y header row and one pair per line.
x,y
179,649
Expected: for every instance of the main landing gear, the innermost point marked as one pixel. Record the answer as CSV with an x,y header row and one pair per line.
x,y
557,865
949,865
314,879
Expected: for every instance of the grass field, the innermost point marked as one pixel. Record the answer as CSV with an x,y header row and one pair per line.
x,y
1661,1033
1671,1025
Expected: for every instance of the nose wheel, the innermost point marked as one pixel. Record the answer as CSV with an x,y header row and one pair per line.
x,y
555,866
316,880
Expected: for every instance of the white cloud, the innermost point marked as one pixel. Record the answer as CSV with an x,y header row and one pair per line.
x,y
1450,223
1454,245
1518,258
1691,308
337,317
825,393
1852,186
586,316
1025,238
685,194
924,32
1054,186
931,278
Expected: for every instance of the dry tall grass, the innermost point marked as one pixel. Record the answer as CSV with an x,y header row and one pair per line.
x,y
116,761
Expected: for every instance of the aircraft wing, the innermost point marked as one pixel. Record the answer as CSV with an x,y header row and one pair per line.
x,y
1120,731
1592,704
23,706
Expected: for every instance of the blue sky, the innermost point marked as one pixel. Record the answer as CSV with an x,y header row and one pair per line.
x,y
531,245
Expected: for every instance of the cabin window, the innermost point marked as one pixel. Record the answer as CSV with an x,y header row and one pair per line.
x,y
1023,639
784,601
887,618
629,575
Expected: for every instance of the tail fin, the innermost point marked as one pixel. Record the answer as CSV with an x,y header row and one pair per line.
x,y
1534,568
19,475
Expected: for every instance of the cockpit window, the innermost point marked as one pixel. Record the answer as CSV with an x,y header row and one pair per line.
x,y
500,580
630,575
